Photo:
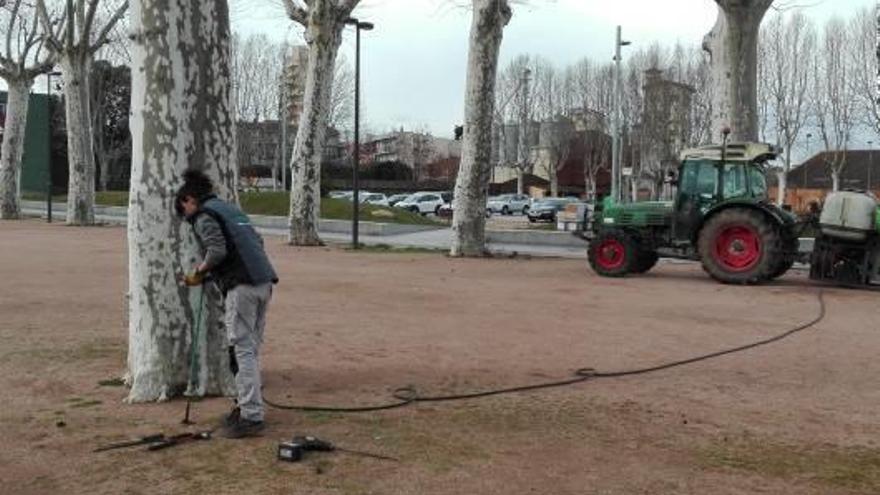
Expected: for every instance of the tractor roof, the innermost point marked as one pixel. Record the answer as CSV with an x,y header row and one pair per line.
x,y
747,151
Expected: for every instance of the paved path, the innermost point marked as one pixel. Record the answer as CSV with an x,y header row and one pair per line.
x,y
432,239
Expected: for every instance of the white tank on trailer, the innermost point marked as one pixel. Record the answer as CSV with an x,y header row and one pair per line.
x,y
848,215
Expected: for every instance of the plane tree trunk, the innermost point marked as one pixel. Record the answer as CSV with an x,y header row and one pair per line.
x,y
472,184
733,47
181,119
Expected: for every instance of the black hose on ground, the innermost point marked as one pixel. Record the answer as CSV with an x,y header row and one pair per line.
x,y
408,395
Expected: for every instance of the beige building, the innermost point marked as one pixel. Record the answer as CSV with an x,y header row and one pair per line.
x,y
546,140
665,128
415,149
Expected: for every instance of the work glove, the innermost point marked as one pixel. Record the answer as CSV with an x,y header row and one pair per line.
x,y
193,279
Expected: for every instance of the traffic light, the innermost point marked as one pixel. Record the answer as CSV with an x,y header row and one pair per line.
x,y
459,132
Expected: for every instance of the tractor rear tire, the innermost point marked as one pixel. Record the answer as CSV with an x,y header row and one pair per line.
x,y
613,253
787,257
740,246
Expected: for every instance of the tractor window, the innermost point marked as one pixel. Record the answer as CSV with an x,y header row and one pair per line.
x,y
735,180
707,177
758,182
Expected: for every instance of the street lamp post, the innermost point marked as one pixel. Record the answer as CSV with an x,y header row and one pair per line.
x,y
356,155
616,177
49,184
870,163
523,152
806,161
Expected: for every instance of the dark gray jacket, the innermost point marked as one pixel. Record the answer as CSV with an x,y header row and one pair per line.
x,y
233,249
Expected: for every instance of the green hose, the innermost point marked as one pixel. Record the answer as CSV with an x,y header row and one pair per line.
x,y
193,353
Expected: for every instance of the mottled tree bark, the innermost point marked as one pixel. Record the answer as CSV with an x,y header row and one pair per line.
x,y
305,164
13,147
472,185
181,119
733,47
80,157
75,46
324,21
22,58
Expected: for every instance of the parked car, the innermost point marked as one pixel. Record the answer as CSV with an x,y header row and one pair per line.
x,y
446,211
422,202
341,195
547,208
377,199
508,204
396,198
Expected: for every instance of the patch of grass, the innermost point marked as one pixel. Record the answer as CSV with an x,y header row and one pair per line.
x,y
86,403
41,196
410,438
278,203
855,468
111,198
103,198
112,382
321,417
387,248
98,349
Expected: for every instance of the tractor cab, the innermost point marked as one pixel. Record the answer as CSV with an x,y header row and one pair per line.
x,y
712,176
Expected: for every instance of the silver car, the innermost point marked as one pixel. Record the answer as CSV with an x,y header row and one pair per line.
x,y
508,204
422,202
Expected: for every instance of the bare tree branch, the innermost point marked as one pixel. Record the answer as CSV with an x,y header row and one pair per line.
x,y
89,19
104,35
51,36
346,6
296,12
12,19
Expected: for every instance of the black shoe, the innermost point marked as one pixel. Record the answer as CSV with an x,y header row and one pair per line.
x,y
242,428
232,418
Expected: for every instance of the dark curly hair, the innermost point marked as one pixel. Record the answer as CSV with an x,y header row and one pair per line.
x,y
196,184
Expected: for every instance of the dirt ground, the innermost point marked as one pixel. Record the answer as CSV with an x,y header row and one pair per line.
x,y
796,416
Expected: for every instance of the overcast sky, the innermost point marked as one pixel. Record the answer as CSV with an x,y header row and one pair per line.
x,y
413,63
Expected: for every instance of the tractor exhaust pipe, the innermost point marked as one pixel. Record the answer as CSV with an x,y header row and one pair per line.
x,y
725,133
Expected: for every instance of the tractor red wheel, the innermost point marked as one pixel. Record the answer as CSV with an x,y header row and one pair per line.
x,y
740,246
612,253
737,248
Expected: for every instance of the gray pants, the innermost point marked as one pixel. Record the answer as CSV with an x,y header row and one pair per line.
x,y
246,307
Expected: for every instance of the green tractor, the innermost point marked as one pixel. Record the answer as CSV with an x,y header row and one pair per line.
x,y
720,216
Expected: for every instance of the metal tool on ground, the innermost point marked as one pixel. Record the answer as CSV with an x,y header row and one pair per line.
x,y
192,356
182,438
158,437
159,441
294,450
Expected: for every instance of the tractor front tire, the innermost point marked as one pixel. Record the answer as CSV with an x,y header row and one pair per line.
x,y
613,253
740,246
646,260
